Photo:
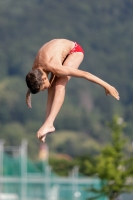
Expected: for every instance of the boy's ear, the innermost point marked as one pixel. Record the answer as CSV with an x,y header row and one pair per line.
x,y
44,77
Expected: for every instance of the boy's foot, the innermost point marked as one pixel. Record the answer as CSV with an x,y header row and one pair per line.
x,y
43,131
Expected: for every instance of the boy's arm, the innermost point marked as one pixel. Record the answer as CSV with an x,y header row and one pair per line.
x,y
28,98
52,78
69,71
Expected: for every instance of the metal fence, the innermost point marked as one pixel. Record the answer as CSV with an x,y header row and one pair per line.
x,y
21,179
41,188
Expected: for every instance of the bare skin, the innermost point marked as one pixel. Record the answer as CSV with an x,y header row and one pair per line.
x,y
49,59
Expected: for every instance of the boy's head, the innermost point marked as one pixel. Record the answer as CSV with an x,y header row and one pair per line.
x,y
37,80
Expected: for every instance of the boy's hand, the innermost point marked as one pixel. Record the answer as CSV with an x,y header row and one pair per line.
x,y
112,91
28,99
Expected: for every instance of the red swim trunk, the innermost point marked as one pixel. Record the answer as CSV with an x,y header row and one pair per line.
x,y
76,48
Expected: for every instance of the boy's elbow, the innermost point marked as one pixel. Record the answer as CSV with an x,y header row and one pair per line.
x,y
54,70
60,71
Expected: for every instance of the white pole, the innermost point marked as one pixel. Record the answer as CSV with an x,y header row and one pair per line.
x,y
23,153
47,181
76,193
1,163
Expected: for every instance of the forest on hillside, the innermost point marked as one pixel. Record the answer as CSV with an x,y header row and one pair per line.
x,y
104,29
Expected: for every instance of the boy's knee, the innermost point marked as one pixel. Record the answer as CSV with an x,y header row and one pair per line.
x,y
61,82
60,86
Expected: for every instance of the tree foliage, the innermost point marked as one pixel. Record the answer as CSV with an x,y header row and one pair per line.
x,y
112,167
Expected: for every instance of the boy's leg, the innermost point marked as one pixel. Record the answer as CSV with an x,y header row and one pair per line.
x,y
51,92
72,60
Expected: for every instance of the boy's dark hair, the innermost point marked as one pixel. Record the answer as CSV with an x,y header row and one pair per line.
x,y
34,80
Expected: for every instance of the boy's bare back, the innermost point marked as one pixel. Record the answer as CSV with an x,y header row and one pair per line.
x,y
53,52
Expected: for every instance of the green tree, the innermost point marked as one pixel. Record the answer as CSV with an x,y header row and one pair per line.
x,y
113,167
62,166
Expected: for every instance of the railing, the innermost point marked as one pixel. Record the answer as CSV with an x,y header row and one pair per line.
x,y
39,186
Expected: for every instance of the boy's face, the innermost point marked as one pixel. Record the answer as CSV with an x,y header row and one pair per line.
x,y
46,83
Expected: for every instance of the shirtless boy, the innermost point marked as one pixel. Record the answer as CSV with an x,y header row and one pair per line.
x,y
61,58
